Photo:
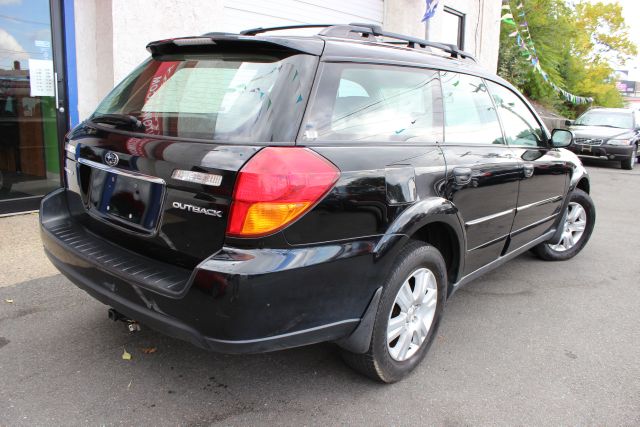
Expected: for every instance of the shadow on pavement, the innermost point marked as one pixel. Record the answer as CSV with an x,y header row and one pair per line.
x,y
602,163
59,349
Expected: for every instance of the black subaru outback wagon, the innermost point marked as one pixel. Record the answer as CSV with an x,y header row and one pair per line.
x,y
253,192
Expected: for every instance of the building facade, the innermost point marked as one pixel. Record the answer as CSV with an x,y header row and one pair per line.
x,y
59,58
628,84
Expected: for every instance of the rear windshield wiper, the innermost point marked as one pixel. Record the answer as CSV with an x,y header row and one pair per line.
x,y
120,120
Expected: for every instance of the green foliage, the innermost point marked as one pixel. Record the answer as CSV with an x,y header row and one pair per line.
x,y
574,46
601,30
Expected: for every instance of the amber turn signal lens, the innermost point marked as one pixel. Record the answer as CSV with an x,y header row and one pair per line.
x,y
265,217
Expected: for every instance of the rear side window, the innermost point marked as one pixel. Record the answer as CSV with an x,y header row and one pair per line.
x,y
470,117
376,103
520,125
226,97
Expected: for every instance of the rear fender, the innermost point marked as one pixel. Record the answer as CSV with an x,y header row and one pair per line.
x,y
415,217
412,219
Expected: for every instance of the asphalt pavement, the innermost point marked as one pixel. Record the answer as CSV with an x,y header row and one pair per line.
x,y
532,343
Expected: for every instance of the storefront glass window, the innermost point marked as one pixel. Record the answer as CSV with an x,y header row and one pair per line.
x,y
29,153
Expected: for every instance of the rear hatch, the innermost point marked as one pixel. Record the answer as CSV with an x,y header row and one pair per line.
x,y
155,166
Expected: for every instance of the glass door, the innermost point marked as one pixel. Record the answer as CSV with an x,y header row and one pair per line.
x,y
29,101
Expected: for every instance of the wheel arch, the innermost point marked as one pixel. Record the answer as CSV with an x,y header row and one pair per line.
x,y
443,237
434,221
583,184
579,179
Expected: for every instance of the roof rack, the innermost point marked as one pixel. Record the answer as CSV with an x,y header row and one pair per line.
x,y
258,30
361,31
367,30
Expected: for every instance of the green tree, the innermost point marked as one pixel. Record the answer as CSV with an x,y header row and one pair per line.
x,y
601,32
574,46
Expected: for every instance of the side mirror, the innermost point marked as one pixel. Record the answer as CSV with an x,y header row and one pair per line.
x,y
561,138
568,122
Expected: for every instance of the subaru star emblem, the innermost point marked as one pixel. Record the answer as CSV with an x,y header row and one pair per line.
x,y
111,158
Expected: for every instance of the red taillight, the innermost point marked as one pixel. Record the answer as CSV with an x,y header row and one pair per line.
x,y
275,187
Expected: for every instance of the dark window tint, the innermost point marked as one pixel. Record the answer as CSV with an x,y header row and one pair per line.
x,y
470,117
227,97
520,125
376,103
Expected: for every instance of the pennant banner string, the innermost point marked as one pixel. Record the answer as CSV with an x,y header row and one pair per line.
x,y
526,45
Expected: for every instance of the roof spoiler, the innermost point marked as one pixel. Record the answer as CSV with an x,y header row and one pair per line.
x,y
219,42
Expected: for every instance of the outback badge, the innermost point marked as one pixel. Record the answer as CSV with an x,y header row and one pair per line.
x,y
197,209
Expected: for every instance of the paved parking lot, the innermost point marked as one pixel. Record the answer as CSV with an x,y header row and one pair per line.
x,y
531,343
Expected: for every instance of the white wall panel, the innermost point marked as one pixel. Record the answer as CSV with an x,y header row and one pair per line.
x,y
111,35
243,14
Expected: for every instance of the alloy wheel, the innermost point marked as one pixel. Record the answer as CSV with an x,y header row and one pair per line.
x,y
412,314
574,227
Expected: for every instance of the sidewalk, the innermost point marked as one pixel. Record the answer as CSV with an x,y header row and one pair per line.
x,y
21,254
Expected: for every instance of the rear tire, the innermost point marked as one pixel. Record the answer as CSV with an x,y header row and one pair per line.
x,y
411,305
628,164
580,227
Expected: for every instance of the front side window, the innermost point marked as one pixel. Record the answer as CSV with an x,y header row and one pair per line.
x,y
222,97
519,123
375,103
470,117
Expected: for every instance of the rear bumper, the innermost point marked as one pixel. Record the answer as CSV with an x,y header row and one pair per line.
x,y
611,152
236,301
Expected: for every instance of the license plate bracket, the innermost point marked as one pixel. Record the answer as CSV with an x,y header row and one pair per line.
x,y
125,199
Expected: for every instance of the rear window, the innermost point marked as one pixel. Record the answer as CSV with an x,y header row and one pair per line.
x,y
376,103
223,97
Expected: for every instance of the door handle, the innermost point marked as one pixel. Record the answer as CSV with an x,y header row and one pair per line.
x,y
55,89
55,92
528,170
462,176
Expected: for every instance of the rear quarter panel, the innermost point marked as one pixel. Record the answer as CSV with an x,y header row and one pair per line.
x,y
377,183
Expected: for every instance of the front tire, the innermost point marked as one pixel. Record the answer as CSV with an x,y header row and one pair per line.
x,y
628,164
408,315
577,229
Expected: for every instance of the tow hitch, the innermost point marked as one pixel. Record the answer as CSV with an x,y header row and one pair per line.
x,y
116,316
